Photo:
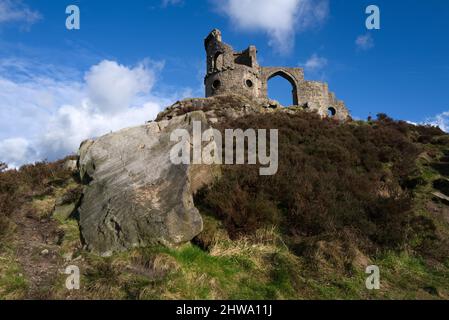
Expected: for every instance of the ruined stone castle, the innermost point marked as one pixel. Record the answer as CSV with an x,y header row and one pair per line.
x,y
234,72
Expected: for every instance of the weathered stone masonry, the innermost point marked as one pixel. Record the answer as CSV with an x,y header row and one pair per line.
x,y
229,71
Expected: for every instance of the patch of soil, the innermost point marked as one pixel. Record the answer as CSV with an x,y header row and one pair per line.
x,y
438,210
38,253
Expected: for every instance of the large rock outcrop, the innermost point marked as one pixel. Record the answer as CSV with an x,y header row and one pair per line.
x,y
133,194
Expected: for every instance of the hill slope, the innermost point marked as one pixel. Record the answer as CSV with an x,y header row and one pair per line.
x,y
347,195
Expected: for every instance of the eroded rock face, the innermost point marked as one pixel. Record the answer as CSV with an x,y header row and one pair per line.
x,y
134,196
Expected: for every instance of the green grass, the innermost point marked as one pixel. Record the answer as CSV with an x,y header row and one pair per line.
x,y
409,277
242,269
203,276
191,273
13,284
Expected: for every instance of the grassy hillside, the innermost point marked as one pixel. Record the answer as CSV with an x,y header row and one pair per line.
x,y
346,196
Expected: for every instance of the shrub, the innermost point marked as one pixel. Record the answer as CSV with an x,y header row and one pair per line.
x,y
34,180
333,179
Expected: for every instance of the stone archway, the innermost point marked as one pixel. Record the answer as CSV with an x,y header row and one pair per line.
x,y
294,79
290,79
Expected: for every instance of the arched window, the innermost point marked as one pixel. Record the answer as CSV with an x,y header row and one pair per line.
x,y
218,61
281,87
331,112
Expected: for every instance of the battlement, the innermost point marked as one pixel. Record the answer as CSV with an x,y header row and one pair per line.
x,y
230,71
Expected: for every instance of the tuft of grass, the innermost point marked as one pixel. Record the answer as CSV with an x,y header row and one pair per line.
x,y
13,284
410,277
42,208
232,270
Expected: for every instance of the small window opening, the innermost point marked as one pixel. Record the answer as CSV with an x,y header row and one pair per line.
x,y
331,112
216,84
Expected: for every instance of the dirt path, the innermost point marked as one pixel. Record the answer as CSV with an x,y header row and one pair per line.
x,y
38,253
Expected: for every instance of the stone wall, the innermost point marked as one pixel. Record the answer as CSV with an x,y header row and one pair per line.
x,y
231,72
293,75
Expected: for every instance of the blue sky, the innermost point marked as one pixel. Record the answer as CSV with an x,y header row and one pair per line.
x,y
130,59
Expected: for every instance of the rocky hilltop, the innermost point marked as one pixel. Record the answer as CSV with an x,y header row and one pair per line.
x,y
133,195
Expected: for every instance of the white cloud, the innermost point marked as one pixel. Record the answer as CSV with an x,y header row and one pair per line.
x,y
47,117
364,42
14,150
17,11
315,63
280,19
112,86
441,120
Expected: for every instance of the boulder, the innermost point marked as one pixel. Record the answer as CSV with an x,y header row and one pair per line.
x,y
134,195
70,165
64,211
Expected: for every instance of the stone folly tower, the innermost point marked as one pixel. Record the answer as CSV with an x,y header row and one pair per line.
x,y
231,72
